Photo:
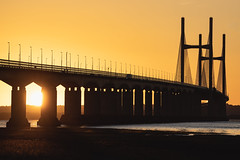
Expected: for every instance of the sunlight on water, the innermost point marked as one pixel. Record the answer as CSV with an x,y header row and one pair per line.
x,y
225,128
33,123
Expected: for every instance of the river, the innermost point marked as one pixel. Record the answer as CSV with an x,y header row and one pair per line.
x,y
231,127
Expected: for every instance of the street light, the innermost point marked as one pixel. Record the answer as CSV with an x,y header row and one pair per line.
x,y
70,59
31,54
78,60
41,55
52,56
19,52
121,67
92,63
125,68
110,66
99,64
61,59
8,50
66,59
105,64
134,69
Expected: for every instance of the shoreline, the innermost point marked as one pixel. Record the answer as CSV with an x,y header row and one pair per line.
x,y
95,143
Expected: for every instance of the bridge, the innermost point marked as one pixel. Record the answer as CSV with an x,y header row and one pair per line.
x,y
112,97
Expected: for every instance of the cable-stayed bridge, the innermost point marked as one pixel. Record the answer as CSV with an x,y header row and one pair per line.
x,y
111,97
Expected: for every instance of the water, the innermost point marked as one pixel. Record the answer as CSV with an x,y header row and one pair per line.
x,y
223,127
33,123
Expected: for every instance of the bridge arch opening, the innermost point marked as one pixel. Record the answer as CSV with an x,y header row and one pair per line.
x,y
34,99
60,100
5,94
5,105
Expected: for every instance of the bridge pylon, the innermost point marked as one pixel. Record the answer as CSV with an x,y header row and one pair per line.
x,y
208,70
209,47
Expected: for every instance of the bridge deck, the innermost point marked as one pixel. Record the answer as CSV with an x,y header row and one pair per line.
x,y
82,71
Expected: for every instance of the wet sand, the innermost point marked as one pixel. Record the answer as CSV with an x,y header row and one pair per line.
x,y
110,144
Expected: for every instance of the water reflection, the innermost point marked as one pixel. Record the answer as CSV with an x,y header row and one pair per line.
x,y
224,127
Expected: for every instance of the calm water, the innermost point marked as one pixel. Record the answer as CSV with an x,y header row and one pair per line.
x,y
225,127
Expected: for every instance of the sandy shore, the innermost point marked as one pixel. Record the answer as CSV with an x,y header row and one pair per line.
x,y
79,143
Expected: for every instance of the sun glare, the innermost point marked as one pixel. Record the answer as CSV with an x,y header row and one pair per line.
x,y
35,99
34,95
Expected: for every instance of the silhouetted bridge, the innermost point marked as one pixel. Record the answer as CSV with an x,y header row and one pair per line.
x,y
111,97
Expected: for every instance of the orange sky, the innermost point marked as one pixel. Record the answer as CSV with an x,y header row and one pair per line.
x,y
137,32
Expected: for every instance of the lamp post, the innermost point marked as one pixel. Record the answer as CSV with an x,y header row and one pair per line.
x,y
66,58
92,63
78,60
70,59
52,56
105,64
31,54
19,52
41,57
8,50
121,67
99,64
61,59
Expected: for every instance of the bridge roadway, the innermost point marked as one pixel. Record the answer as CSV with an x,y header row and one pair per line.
x,y
108,97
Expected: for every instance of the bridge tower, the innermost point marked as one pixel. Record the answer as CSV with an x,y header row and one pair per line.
x,y
212,100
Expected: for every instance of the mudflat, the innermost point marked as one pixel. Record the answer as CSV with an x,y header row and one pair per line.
x,y
112,144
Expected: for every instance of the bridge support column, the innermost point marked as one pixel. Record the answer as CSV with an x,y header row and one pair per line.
x,y
109,103
185,101
49,107
217,106
157,107
148,103
170,104
197,105
174,105
18,109
181,101
118,95
127,103
138,102
191,107
72,105
178,104
92,102
165,103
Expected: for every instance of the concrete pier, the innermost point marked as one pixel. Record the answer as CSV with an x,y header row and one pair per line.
x,y
18,108
138,102
148,103
72,110
157,107
127,102
49,107
109,102
92,103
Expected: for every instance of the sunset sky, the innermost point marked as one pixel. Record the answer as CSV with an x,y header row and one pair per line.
x,y
143,33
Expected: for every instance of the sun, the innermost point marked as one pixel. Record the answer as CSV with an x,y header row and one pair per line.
x,y
34,95
35,98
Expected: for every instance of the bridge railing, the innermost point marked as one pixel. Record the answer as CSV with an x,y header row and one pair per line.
x,y
72,70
